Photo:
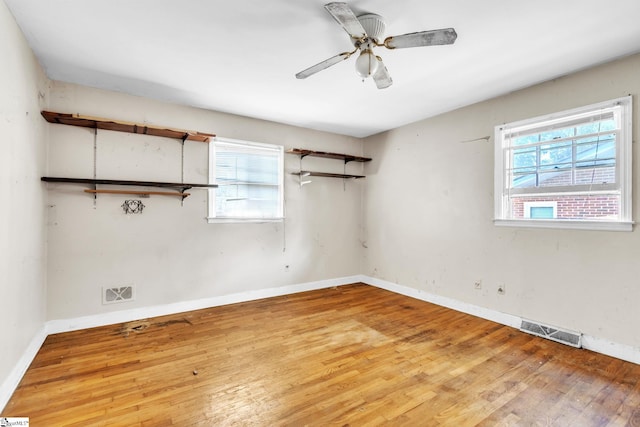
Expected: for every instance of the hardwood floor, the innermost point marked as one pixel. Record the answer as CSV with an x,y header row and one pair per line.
x,y
348,356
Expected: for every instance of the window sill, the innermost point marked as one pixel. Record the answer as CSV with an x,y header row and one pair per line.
x,y
242,220
566,224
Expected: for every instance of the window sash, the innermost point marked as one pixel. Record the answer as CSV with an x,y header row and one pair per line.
x,y
570,164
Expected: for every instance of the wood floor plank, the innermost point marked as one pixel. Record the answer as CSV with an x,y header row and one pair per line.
x,y
351,356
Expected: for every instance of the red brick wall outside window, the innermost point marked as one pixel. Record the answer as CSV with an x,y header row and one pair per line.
x,y
574,207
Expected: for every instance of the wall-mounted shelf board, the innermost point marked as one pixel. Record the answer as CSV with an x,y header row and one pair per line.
x,y
139,193
337,156
178,186
326,174
123,126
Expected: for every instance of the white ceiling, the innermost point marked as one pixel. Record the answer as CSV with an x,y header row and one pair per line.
x,y
241,56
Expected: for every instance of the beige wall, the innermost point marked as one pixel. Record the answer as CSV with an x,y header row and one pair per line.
x,y
169,252
429,211
23,91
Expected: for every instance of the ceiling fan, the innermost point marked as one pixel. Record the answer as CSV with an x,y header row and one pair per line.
x,y
366,32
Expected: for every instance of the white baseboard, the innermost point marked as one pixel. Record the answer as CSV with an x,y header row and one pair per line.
x,y
598,345
13,380
74,324
485,313
619,351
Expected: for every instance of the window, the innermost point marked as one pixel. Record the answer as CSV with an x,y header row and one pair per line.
x,y
569,170
249,176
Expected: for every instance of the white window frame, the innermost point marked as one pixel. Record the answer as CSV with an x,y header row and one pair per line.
x,y
502,194
211,214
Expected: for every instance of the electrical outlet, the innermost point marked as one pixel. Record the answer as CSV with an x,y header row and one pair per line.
x,y
502,289
477,284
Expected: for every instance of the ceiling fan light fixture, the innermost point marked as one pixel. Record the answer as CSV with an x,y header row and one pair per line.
x,y
366,64
365,32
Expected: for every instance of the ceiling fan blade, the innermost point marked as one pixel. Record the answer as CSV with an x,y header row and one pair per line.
x,y
422,38
323,65
342,13
382,77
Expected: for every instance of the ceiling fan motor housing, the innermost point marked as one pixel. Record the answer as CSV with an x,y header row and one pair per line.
x,y
373,24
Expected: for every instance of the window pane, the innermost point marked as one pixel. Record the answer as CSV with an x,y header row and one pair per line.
x,y
524,157
246,201
577,207
247,167
555,178
525,140
526,180
596,126
596,160
249,179
596,175
596,150
541,212
557,134
555,154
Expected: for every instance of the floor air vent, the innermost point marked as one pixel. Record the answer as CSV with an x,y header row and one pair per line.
x,y
114,295
573,339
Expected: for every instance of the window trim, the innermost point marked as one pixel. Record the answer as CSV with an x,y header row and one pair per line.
x,y
211,209
623,170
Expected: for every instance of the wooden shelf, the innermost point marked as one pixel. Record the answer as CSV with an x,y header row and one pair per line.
x,y
337,156
178,186
123,126
139,193
326,174
327,155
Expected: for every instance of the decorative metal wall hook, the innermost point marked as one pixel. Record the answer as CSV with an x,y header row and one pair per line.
x,y
132,206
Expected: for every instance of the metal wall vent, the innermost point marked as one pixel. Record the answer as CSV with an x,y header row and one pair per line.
x,y
121,294
574,339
